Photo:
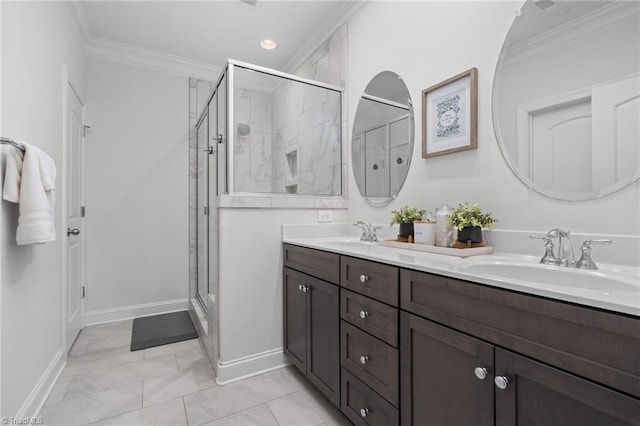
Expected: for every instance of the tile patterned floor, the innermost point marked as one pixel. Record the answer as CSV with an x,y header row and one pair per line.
x,y
104,383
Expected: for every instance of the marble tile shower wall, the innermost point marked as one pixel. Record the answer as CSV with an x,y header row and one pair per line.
x,y
313,135
306,123
252,153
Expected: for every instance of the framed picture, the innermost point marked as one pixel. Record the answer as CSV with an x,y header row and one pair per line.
x,y
450,115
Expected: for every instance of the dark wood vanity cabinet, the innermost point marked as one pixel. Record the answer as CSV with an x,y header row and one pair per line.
x,y
396,346
488,371
312,327
439,385
369,342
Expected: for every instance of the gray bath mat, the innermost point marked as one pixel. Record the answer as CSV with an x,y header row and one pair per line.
x,y
161,330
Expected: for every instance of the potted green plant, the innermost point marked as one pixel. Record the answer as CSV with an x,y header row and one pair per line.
x,y
469,220
405,218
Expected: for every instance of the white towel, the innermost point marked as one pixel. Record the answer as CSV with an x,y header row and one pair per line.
x,y
12,174
30,180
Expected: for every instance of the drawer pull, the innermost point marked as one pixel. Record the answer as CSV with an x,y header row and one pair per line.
x,y
364,412
364,278
481,373
364,359
364,314
501,382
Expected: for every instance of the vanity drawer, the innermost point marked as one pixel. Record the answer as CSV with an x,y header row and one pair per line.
x,y
373,317
371,360
318,263
363,406
370,278
592,343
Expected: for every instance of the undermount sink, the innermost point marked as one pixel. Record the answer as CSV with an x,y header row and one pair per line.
x,y
555,277
351,244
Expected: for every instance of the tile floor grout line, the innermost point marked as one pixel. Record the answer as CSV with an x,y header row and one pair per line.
x,y
250,407
181,396
272,413
65,391
184,408
115,415
103,368
112,387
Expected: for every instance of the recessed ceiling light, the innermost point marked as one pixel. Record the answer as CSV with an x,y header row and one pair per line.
x,y
268,44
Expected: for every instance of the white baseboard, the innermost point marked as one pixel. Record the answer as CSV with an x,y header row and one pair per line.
x,y
231,371
135,311
38,396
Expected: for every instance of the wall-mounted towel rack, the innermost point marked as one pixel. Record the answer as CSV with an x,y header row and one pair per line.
x,y
9,141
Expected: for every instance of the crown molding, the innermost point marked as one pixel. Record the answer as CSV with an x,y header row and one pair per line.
x,y
124,53
585,26
322,35
110,50
150,59
80,20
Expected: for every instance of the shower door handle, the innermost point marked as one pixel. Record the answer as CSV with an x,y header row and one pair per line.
x,y
74,231
209,150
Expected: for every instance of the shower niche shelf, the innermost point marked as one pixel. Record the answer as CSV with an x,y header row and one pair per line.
x,y
291,183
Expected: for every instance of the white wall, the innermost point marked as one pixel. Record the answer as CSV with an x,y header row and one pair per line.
x,y
250,294
136,189
427,42
37,39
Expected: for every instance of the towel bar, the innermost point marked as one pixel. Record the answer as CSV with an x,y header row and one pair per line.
x,y
9,141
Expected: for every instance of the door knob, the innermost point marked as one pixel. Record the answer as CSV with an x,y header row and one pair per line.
x,y
501,382
74,231
481,373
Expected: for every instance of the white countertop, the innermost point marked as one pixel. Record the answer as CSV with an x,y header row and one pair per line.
x,y
611,287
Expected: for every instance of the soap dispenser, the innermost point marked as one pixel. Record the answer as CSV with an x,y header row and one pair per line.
x,y
444,230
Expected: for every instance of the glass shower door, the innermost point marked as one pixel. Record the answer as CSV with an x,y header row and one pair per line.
x,y
202,190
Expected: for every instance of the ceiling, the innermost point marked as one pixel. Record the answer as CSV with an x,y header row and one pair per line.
x,y
212,31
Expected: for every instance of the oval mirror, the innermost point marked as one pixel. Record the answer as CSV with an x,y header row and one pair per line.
x,y
566,97
382,140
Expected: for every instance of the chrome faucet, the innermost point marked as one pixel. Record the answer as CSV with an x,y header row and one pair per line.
x,y
368,231
549,258
565,249
586,262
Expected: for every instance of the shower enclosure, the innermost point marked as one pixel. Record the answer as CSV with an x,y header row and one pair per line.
x,y
263,133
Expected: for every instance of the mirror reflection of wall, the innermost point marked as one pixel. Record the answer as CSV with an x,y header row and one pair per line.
x,y
382,140
567,97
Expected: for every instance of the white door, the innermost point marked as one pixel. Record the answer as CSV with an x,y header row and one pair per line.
x,y
73,233
616,132
561,151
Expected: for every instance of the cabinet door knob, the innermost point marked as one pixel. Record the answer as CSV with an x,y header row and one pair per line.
x,y
364,359
300,287
364,412
305,288
481,373
501,382
364,278
364,314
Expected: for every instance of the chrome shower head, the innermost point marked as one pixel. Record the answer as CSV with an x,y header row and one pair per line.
x,y
243,129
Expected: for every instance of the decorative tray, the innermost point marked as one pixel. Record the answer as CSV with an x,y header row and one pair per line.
x,y
449,251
